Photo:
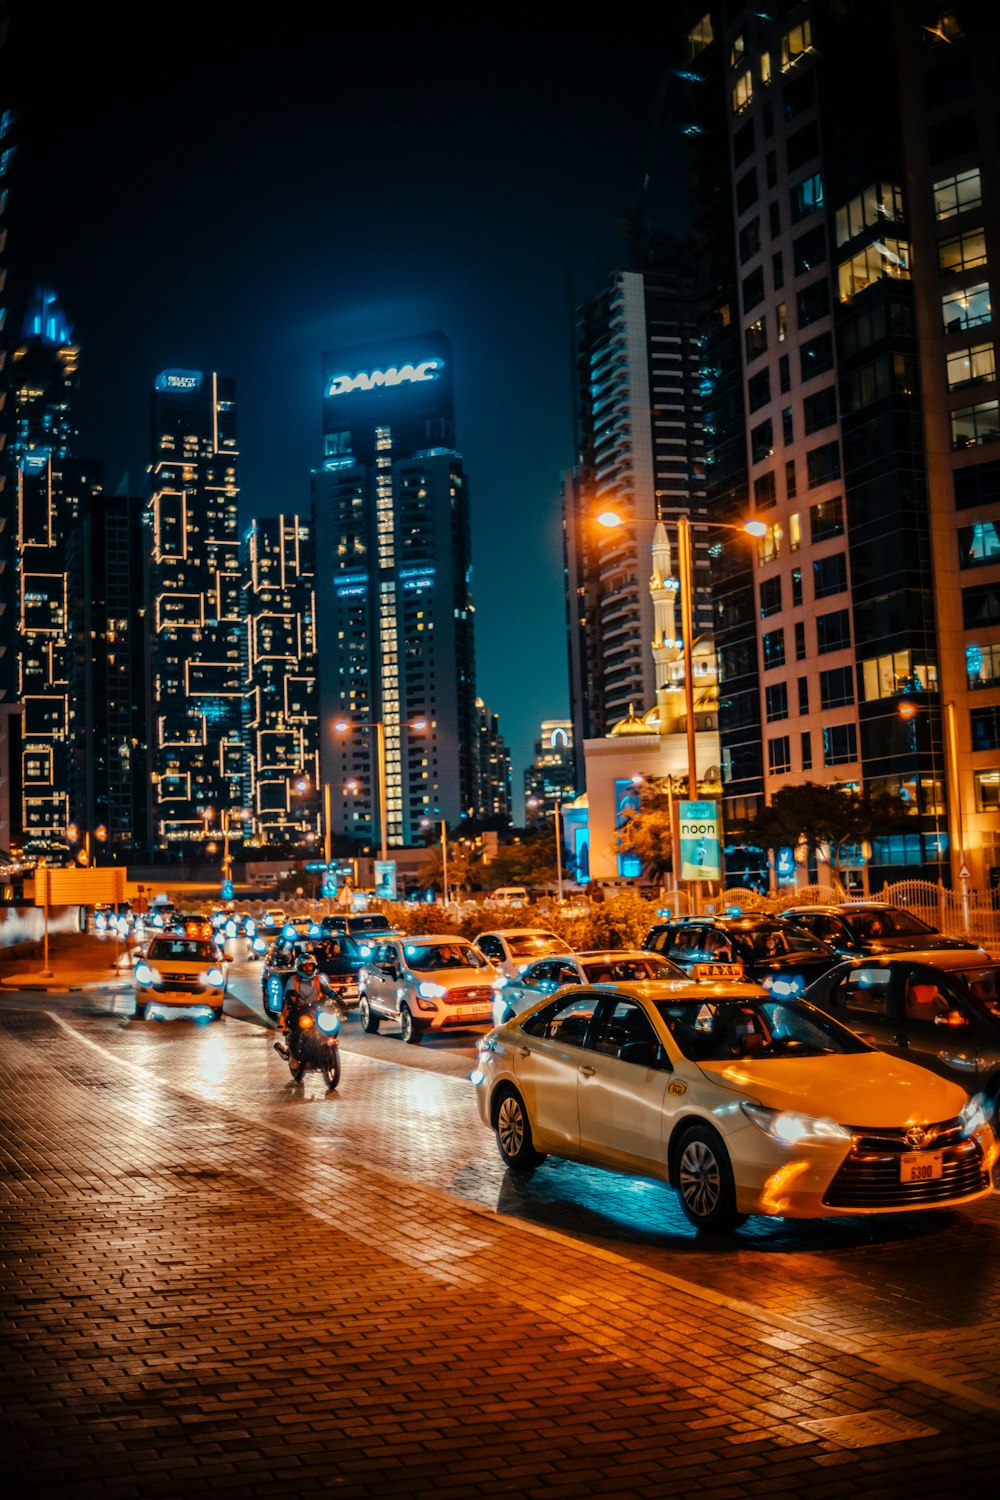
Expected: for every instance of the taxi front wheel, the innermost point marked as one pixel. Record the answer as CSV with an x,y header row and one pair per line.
x,y
513,1130
704,1181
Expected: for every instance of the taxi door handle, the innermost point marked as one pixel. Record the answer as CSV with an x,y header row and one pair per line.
x,y
587,1070
524,1051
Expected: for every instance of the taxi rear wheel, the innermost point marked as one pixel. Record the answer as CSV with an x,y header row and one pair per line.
x,y
513,1130
704,1180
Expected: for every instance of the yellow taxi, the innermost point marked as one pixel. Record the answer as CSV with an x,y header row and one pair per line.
x,y
747,1103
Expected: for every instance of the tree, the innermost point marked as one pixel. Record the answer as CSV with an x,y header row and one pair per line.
x,y
647,832
831,815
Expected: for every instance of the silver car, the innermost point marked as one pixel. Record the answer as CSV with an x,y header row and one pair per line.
x,y
429,982
514,993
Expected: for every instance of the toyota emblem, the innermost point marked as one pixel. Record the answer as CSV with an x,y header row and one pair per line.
x,y
915,1138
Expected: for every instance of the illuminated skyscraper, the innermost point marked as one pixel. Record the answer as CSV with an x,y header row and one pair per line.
x,y
493,770
283,790
551,778
393,592
197,632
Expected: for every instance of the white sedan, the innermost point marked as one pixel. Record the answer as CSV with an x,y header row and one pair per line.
x,y
745,1103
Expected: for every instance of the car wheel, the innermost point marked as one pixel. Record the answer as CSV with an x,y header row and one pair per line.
x,y
703,1177
218,1013
408,1028
369,1022
513,1129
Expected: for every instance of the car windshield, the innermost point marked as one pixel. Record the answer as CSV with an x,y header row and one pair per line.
x,y
372,923
888,923
612,969
728,1029
983,985
531,944
443,956
326,950
195,952
766,942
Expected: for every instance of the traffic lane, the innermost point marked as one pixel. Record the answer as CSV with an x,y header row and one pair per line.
x,y
901,1282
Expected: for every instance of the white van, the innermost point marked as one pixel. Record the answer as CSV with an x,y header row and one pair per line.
x,y
510,895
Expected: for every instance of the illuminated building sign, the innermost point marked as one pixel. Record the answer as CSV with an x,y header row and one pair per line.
x,y
371,380
178,380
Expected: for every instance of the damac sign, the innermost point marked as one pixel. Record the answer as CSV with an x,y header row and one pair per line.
x,y
371,380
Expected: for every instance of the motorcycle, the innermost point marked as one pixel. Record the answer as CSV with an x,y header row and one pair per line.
x,y
317,1030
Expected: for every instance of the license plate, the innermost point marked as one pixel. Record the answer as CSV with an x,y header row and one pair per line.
x,y
473,1010
921,1166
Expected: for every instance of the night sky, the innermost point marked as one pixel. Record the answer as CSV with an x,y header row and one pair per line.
x,y
205,193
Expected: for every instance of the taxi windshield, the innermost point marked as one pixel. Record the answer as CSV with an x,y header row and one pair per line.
x,y
983,985
728,1029
443,956
530,944
175,948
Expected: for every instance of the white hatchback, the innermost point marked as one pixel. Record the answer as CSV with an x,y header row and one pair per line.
x,y
431,982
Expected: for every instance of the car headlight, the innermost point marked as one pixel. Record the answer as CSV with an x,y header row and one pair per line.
x,y
214,977
973,1116
259,945
428,990
144,974
789,1128
329,1022
499,983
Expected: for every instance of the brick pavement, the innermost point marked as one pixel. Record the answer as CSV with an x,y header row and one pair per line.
x,y
195,1302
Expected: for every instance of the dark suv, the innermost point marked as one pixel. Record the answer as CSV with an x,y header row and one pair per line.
x,y
775,954
338,958
863,928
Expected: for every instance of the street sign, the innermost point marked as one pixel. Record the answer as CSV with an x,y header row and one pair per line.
x,y
700,844
315,866
965,873
385,879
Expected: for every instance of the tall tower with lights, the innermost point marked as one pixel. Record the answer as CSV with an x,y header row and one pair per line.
x,y
197,635
394,601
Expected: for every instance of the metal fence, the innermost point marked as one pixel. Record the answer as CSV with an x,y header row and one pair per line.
x,y
967,913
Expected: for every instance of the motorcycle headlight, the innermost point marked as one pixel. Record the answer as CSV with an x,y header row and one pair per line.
x,y
214,977
144,974
790,1128
329,1022
428,990
973,1116
259,945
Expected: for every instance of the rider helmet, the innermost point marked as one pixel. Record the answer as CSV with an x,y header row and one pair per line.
x,y
307,964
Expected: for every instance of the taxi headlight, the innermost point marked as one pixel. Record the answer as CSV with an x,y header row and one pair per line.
x,y
499,983
973,1116
144,974
329,1022
428,990
789,1128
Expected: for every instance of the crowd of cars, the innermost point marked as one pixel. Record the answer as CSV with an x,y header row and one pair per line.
x,y
827,1061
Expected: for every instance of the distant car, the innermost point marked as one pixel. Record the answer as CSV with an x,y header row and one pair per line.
x,y
512,949
339,958
177,971
863,927
192,924
429,982
356,922
775,954
746,1104
515,993
940,1008
273,918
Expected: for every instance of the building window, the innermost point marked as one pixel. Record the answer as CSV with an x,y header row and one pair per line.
x,y
840,744
700,37
809,250
742,93
807,750
953,195
830,575
749,240
795,43
759,389
762,441
880,203
982,666
977,485
963,253
781,321
753,289
755,335
794,532
836,688
743,143
981,606
816,356
804,696
764,491
784,375
773,646
765,74
800,640
969,307
791,489
776,702
779,755
746,191
820,409
966,366
770,597
890,676
985,725
769,546
806,197
736,51
987,785
973,425
823,464
826,520
883,258
813,303
978,544
833,632
771,169
801,146
796,586
787,427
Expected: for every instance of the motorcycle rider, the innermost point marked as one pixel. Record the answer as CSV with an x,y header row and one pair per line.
x,y
306,987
